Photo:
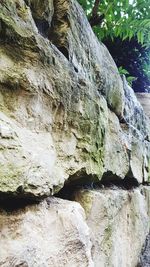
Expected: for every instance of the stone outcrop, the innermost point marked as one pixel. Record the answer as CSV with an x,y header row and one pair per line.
x,y
69,108
57,233
145,255
144,99
66,118
53,233
115,218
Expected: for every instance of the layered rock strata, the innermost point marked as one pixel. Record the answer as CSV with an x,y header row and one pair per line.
x,y
66,116
61,115
144,99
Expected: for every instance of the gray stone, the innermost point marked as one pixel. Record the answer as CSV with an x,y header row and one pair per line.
x,y
145,255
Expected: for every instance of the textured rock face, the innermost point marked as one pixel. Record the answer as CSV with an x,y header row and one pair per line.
x,y
145,257
53,233
72,34
115,218
144,99
56,232
66,102
66,116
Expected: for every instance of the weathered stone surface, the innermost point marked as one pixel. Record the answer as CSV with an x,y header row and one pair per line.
x,y
42,12
56,232
26,161
118,221
144,99
61,106
145,256
116,153
72,34
66,115
138,135
51,234
134,113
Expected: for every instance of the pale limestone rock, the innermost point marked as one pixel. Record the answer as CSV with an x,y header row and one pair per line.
x,y
134,113
54,107
27,160
66,114
145,255
51,234
116,153
144,259
138,135
72,34
118,221
144,99
146,191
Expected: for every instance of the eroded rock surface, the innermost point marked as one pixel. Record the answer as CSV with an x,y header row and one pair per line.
x,y
66,116
119,223
53,233
144,99
58,233
60,112
145,255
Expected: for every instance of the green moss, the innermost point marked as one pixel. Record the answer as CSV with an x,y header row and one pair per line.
x,y
9,177
107,240
85,198
23,12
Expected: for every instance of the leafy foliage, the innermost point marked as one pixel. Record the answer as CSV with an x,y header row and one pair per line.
x,y
127,21
123,19
130,79
133,60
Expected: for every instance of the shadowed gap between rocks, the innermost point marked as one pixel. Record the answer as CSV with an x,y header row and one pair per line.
x,y
82,180
42,24
43,27
15,203
46,31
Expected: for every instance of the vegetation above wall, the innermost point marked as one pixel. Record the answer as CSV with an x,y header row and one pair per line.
x,y
124,26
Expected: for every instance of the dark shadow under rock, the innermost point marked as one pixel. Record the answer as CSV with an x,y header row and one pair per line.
x,y
10,204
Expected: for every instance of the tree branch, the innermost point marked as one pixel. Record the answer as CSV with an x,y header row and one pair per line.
x,y
95,8
95,18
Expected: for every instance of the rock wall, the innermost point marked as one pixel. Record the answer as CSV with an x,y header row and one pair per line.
x,y
58,232
118,221
144,99
67,120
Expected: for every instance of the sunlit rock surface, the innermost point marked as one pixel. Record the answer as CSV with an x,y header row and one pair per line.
x,y
144,99
62,101
118,221
66,116
57,233
53,233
